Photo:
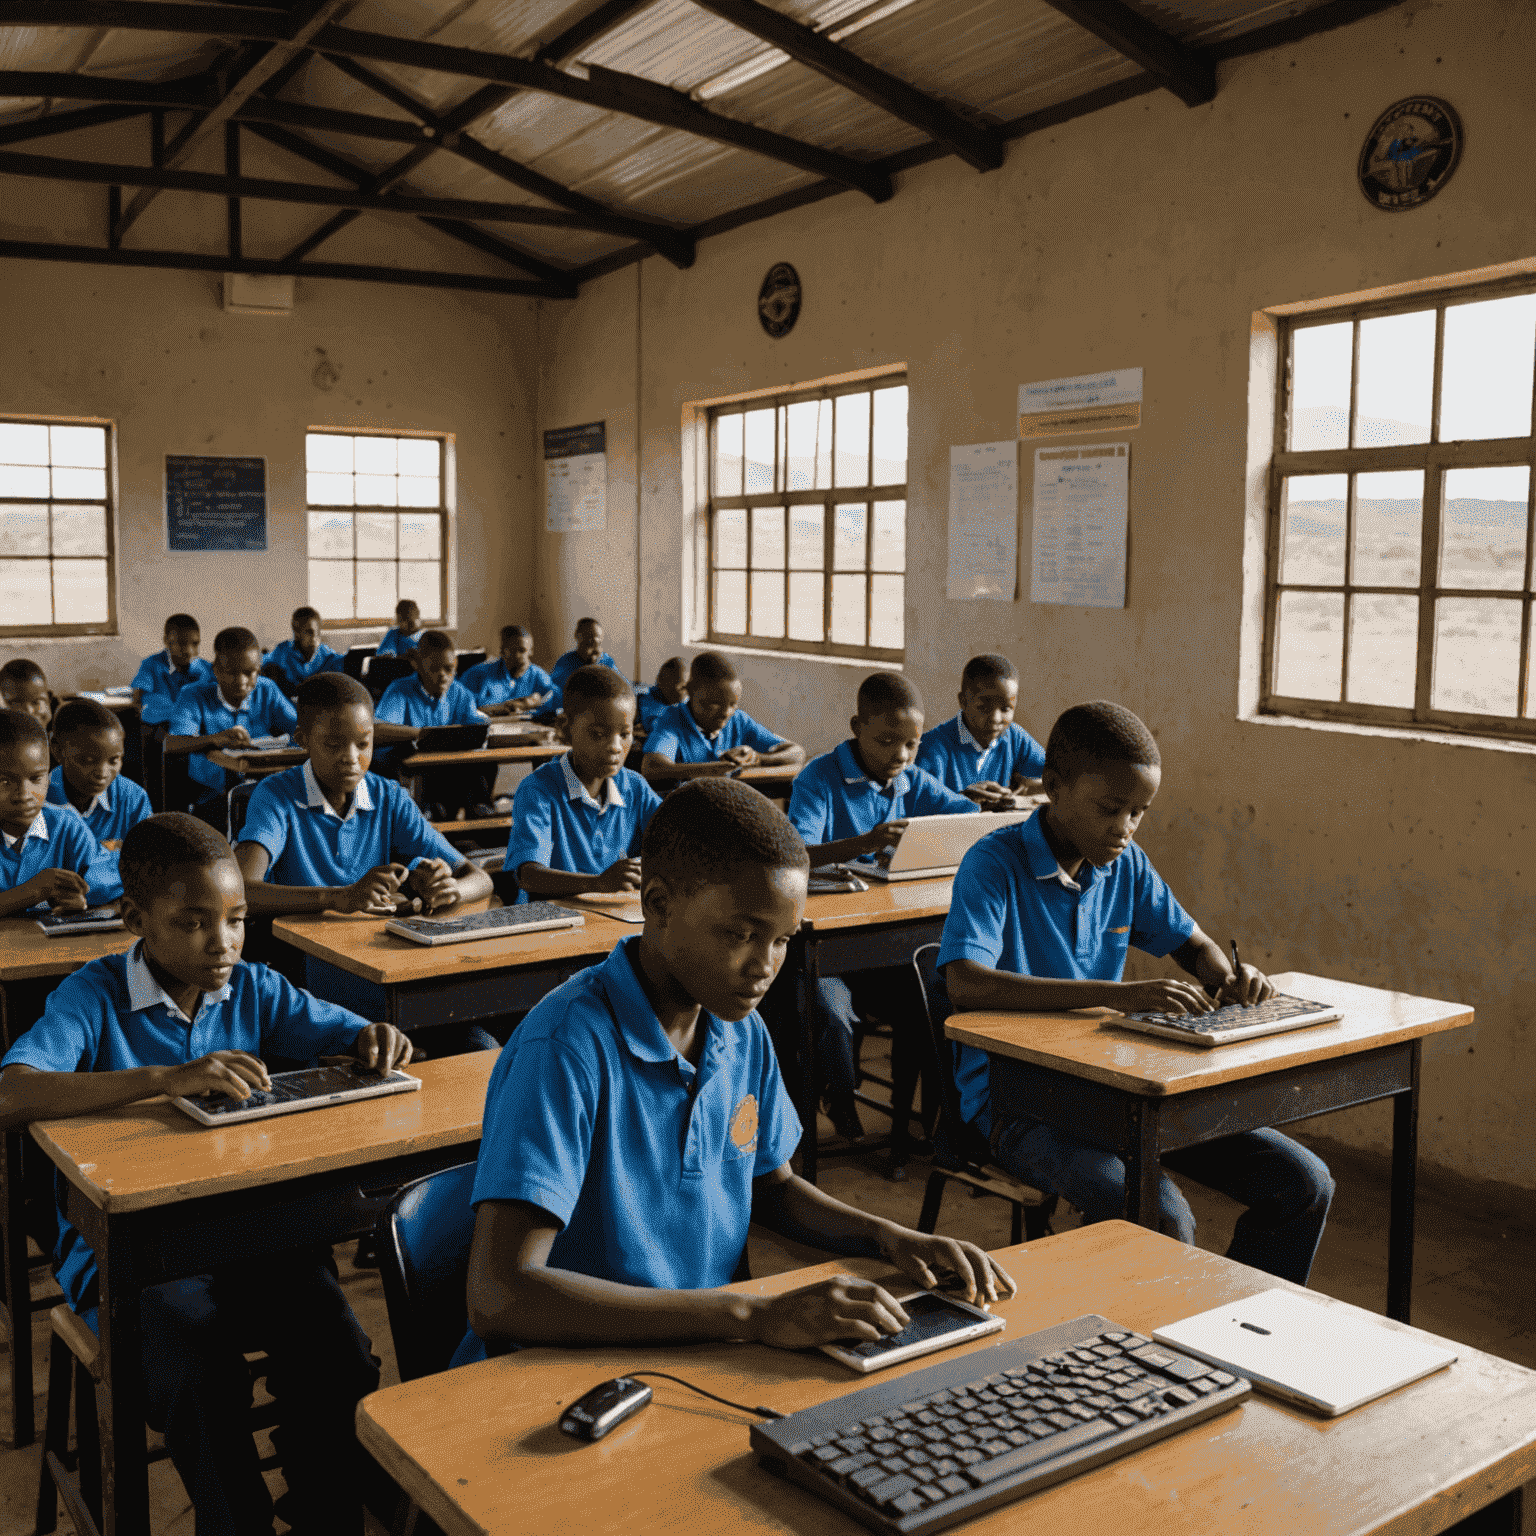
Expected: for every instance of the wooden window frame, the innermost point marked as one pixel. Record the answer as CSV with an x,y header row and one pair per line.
x,y
1433,458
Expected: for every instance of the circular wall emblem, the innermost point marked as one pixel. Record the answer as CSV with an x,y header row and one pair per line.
x,y
1410,153
778,300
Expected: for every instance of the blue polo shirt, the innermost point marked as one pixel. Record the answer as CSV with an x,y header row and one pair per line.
x,y
1014,909
112,1014
491,683
121,805
286,658
59,839
310,843
649,707
555,822
203,711
160,683
406,702
953,756
646,1161
676,735
834,798
396,644
568,663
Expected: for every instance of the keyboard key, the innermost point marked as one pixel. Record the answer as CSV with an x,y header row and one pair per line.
x,y
849,1464
1124,1419
908,1504
826,1453
945,1468
892,1463
932,1492
1180,1395
867,1478
852,1444
1222,1379
1204,1386
1187,1370
1152,1355
954,1485
1045,1450
969,1456
799,1448
1061,1420
1017,1437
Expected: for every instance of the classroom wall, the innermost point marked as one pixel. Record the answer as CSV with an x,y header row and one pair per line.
x,y
1147,234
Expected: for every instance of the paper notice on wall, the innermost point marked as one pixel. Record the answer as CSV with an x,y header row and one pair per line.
x,y
1091,402
1081,497
576,478
983,521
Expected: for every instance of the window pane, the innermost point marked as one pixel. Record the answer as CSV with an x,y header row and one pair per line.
x,y
1482,527
727,481
1320,356
419,491
1312,530
329,490
1389,517
759,451
731,537
375,538
805,599
80,484
852,458
731,602
767,537
330,587
1485,381
808,460
327,454
23,480
890,436
23,530
376,589
807,538
1477,655
25,594
421,538
768,604
1397,379
375,455
1309,645
848,538
80,530
84,447
23,442
848,610
377,490
889,545
885,616
1383,650
79,591
422,580
419,456
330,538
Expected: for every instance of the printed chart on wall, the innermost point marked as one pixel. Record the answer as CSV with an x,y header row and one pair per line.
x,y
983,521
215,504
1091,402
1081,496
576,478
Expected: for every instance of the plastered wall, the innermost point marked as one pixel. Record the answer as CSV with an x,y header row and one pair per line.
x,y
1146,235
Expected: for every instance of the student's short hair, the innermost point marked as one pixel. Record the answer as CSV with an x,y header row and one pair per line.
x,y
405,605
988,668
20,672
160,844
587,686
711,827
435,640
327,691
589,623
235,641
887,693
304,615
1099,732
712,667
674,665
81,715
182,624
515,632
19,729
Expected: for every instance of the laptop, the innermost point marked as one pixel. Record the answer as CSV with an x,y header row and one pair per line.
x,y
497,923
453,738
1327,1358
1237,1021
933,846
291,1092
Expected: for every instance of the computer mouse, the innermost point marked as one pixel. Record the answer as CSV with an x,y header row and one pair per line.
x,y
604,1408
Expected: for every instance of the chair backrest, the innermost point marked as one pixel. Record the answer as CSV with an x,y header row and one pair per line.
x,y
152,746
468,659
952,1129
384,670
274,673
239,804
352,662
178,791
424,1240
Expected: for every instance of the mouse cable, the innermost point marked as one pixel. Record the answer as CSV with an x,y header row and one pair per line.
x,y
762,1413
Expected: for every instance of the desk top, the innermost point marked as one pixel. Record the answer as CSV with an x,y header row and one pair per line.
x,y
898,901
27,952
1087,1044
257,763
151,1154
535,752
119,703
478,1449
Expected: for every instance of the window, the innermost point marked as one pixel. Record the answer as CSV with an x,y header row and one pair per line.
x,y
377,526
55,529
1400,527
808,521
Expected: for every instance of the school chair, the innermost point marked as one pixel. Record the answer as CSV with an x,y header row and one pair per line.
x,y
355,662
466,660
979,1175
384,670
152,764
178,791
274,672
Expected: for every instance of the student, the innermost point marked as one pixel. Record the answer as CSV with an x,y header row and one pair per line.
x,y
406,635
588,652
981,752
511,684
1042,916
670,687
49,857
636,1123
853,803
181,1014
710,733
161,677
230,709
24,687
577,822
291,663
88,741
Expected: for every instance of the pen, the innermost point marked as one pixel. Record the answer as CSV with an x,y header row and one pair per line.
x,y
1237,964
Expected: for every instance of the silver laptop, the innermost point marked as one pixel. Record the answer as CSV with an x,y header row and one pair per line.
x,y
1236,1021
1330,1358
311,1088
933,846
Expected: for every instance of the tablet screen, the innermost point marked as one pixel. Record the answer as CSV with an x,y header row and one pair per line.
x,y
932,1316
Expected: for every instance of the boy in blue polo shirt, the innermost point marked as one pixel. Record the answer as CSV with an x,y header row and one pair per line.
x,y
180,1014
636,1123
670,687
587,652
1042,916
406,635
24,687
291,663
981,752
510,684
577,822
89,744
49,857
710,733
161,677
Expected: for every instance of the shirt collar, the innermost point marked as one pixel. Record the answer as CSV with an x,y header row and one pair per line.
x,y
315,796
848,766
145,992
1043,863
38,829
576,790
970,741
243,705
638,1026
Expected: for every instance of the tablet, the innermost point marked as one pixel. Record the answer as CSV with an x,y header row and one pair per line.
x,y
92,920
937,1322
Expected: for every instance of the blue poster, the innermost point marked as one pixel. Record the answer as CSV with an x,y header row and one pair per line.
x,y
215,503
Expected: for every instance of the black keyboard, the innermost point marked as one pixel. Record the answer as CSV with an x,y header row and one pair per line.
x,y
947,1443
1239,1021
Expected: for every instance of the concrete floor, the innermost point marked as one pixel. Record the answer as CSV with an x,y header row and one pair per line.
x,y
1473,1265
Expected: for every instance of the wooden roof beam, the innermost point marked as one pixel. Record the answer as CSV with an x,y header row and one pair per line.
x,y
65,122
1189,73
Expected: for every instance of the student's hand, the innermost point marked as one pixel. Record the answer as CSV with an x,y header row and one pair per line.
x,y
1165,995
381,1046
62,889
433,881
232,1073
621,875
840,1308
882,837
989,796
925,1256
507,708
1248,986
739,757
235,736
376,893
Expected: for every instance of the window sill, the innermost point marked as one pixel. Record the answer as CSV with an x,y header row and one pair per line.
x,y
1396,733
822,661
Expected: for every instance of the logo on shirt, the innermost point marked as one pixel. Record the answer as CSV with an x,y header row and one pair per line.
x,y
744,1125
1126,929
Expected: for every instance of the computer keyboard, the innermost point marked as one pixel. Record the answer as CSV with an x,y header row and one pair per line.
x,y
944,1444
1236,1021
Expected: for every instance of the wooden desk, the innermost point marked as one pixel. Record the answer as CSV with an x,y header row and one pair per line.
x,y
533,752
118,703
478,1450
257,765
1140,1096
158,1196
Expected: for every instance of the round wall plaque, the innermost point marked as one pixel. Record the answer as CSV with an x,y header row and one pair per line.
x,y
1410,153
778,300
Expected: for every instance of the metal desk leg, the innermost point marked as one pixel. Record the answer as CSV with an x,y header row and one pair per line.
x,y
1405,1162
18,1292
1143,1171
120,1395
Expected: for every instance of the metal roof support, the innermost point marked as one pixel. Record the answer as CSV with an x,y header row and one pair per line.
x,y
65,122
1188,73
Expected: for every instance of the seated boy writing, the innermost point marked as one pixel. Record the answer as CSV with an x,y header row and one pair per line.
x,y
670,687
709,733
636,1123
406,635
510,684
49,857
577,822
1042,916
180,1014
981,752
161,677
851,803
587,652
23,687
291,663
88,741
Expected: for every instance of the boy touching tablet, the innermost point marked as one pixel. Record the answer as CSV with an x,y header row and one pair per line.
x,y
587,652
291,663
510,684
982,752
